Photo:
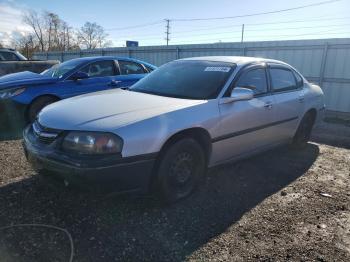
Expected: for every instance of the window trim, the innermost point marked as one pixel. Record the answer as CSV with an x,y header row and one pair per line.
x,y
283,90
244,70
301,77
141,65
116,70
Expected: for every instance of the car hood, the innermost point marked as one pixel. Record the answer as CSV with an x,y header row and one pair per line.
x,y
108,110
24,78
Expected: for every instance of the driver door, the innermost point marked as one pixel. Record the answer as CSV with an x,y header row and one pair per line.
x,y
102,76
245,125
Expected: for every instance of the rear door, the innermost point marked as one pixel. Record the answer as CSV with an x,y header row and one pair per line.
x,y
288,93
246,125
130,73
102,76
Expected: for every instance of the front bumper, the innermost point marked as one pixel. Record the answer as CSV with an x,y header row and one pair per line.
x,y
105,175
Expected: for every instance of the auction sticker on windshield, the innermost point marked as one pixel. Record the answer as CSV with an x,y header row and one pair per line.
x,y
217,69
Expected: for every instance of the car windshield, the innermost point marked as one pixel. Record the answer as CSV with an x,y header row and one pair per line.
x,y
57,71
188,79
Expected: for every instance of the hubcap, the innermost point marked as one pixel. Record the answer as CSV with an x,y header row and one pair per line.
x,y
181,169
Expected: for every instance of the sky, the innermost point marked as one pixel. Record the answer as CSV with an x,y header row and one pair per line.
x,y
330,20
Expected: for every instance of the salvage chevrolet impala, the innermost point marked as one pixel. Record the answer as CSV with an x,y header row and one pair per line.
x,y
163,132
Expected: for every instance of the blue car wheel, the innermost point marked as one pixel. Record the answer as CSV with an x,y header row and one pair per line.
x,y
38,104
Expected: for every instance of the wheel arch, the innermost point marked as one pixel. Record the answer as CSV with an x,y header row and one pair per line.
x,y
313,113
54,97
199,134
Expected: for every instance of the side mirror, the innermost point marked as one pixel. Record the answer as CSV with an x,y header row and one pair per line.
x,y
238,94
79,75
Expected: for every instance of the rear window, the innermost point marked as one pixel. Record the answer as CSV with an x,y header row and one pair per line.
x,y
282,79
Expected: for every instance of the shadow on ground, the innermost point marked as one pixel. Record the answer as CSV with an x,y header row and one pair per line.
x,y
333,134
11,129
139,228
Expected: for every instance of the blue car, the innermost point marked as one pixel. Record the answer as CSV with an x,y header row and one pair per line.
x,y
27,93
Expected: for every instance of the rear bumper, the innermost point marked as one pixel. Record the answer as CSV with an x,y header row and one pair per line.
x,y
115,175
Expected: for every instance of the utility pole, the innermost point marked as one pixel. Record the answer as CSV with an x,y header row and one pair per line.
x,y
167,31
242,38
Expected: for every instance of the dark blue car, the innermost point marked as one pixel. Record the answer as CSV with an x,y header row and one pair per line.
x,y
27,93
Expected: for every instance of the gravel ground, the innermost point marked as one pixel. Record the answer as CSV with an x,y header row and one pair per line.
x,y
284,205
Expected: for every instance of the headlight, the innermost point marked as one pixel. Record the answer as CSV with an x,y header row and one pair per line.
x,y
92,143
11,92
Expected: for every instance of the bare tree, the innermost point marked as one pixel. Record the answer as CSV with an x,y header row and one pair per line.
x,y
35,22
26,44
92,35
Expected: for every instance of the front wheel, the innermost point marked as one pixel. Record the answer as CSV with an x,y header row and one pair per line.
x,y
180,170
37,105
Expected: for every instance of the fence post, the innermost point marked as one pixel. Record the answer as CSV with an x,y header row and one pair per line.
x,y
47,55
244,51
323,64
177,52
129,53
62,56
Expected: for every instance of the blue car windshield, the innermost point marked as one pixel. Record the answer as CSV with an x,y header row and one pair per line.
x,y
188,79
59,70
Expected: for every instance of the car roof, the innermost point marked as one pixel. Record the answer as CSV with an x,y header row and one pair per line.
x,y
7,49
99,58
238,60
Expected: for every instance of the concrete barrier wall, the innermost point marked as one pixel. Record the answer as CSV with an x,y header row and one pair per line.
x,y
33,66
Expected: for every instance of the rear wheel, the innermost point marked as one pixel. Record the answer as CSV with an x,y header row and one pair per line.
x,y
37,105
180,170
303,133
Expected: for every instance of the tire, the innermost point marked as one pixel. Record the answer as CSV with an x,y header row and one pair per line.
x,y
303,133
37,105
180,170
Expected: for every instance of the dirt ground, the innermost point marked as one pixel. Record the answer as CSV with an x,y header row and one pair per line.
x,y
284,205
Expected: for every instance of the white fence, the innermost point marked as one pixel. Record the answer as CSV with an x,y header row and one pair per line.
x,y
323,61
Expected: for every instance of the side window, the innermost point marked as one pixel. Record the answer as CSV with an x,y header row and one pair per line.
x,y
282,79
128,68
149,69
100,69
254,79
7,56
299,79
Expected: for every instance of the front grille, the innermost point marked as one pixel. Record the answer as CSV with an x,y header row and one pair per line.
x,y
43,134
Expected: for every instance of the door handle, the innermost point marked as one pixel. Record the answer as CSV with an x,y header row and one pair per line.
x,y
268,105
114,83
301,98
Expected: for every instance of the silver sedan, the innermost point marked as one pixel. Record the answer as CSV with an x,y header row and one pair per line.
x,y
163,132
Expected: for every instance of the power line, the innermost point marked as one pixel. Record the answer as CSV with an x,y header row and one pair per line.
x,y
134,26
289,35
260,24
257,14
246,36
158,36
262,30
